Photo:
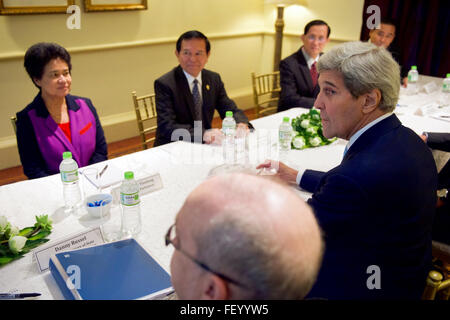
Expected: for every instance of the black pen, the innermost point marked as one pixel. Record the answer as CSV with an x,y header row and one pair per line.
x,y
18,295
103,171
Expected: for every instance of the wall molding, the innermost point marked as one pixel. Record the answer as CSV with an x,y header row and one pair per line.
x,y
159,41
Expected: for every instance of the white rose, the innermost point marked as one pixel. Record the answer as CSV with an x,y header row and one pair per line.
x,y
298,142
304,123
14,231
315,141
17,243
3,224
311,130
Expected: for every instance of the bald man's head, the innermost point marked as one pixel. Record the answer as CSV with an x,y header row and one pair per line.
x,y
254,231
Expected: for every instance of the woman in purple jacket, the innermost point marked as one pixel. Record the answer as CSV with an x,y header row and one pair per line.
x,y
56,121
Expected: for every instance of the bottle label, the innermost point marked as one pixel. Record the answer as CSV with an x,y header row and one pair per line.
x,y
131,199
69,176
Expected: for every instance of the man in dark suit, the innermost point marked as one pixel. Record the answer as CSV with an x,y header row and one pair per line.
x,y
376,208
190,93
441,223
383,36
298,72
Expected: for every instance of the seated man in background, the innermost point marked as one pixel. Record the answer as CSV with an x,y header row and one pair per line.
x,y
190,93
376,207
384,37
251,238
441,223
298,73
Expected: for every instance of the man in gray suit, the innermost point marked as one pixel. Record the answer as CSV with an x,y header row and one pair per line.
x,y
298,73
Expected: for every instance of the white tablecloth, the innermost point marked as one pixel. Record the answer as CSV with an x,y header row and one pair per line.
x,y
182,167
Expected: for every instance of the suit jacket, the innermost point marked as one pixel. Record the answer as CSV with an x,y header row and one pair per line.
x,y
175,104
41,142
441,141
296,84
441,223
376,209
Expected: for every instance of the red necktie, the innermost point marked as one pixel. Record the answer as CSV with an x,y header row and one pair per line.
x,y
313,72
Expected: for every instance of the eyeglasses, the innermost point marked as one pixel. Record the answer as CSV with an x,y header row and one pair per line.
x,y
171,234
313,38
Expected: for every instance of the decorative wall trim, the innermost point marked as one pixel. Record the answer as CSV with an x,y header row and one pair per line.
x,y
159,41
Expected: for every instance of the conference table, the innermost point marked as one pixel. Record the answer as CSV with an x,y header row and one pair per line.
x,y
182,166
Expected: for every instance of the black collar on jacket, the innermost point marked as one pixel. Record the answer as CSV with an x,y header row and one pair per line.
x,y
42,111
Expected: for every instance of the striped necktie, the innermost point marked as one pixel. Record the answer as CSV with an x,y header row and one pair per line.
x,y
314,75
197,101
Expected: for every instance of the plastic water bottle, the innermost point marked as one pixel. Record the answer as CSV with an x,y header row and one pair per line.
x,y
130,203
284,138
446,84
69,177
229,132
444,99
413,78
285,135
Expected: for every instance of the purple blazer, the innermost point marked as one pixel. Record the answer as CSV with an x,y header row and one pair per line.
x,y
41,142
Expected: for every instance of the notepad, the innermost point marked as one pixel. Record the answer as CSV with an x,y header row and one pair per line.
x,y
121,270
111,176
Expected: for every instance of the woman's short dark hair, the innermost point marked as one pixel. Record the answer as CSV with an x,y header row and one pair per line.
x,y
39,54
193,34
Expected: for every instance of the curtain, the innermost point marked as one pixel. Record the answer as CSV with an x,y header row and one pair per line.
x,y
422,32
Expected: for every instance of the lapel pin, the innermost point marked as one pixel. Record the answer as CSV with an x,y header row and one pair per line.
x,y
207,87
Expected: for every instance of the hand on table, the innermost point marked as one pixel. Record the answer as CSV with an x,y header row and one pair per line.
x,y
283,172
213,136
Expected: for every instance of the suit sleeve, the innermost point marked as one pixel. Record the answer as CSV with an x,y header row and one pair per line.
x,y
164,98
289,96
224,104
33,162
338,202
101,148
310,180
439,141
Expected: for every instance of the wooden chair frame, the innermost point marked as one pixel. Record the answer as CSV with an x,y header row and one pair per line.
x,y
145,108
13,122
266,92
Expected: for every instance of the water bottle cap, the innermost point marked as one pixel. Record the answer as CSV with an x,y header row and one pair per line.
x,y
129,175
448,75
286,119
67,155
414,68
229,113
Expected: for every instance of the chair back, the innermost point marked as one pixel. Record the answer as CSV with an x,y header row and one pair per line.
x,y
266,92
145,109
436,287
438,280
13,122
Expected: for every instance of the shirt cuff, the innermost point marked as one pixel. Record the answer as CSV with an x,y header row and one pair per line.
x,y
299,176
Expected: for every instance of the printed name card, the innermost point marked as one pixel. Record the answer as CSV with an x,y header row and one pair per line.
x,y
147,185
92,237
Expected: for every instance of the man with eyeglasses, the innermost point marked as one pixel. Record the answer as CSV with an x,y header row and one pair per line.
x,y
191,93
383,36
298,72
251,238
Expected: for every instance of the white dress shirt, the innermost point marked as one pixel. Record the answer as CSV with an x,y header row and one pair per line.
x,y
191,79
309,60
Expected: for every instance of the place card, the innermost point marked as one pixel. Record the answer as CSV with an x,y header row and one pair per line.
x,y
430,87
147,185
84,239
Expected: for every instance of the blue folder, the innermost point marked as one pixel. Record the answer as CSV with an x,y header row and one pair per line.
x,y
120,270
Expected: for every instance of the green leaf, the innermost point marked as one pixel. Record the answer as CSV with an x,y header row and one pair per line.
x,y
26,231
40,235
5,260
